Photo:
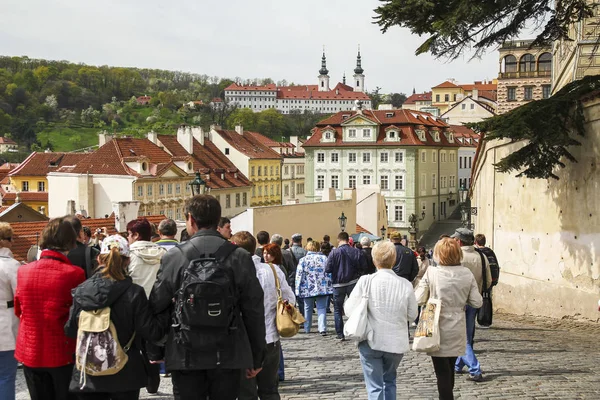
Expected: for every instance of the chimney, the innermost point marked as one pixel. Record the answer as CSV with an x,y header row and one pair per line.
x,y
153,137
18,197
185,138
198,134
239,129
103,138
215,127
71,207
125,211
475,94
43,210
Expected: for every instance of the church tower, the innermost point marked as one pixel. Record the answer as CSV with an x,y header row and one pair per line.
x,y
323,75
359,77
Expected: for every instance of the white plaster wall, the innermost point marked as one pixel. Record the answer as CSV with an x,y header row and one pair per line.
x,y
244,222
544,232
458,116
465,173
237,158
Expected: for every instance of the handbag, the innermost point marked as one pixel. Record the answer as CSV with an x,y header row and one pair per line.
x,y
486,313
357,327
427,333
287,319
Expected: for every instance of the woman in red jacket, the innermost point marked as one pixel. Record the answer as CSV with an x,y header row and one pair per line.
x,y
42,302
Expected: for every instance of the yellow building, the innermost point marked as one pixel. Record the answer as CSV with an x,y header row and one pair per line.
x,y
255,160
447,94
28,182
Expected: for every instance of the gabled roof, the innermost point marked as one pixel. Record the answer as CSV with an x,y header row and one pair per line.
x,y
40,164
5,140
481,104
462,132
25,196
445,85
413,98
209,160
407,122
248,145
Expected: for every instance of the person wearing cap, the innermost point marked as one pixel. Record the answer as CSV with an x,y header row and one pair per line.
x,y
365,242
297,250
406,265
345,264
287,259
129,312
477,263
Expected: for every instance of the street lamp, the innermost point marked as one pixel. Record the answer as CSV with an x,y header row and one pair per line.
x,y
342,220
383,231
198,185
422,216
465,212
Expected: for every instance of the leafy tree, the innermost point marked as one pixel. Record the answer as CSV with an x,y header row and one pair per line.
x,y
452,27
245,117
397,99
376,97
271,123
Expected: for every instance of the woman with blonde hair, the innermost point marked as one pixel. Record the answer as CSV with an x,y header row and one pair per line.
x,y
314,285
391,305
111,286
456,287
9,323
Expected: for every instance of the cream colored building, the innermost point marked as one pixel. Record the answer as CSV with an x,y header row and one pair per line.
x,y
525,74
7,144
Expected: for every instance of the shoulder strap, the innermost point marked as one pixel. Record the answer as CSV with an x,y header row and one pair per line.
x,y
88,261
485,286
225,250
276,280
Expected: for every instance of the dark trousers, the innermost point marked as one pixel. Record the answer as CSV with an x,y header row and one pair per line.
x,y
211,384
132,395
49,383
153,372
339,295
266,384
444,372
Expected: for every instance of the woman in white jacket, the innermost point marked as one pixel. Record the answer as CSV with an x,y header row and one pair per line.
x,y
455,286
9,323
392,304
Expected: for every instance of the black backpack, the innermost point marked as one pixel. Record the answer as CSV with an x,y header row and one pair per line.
x,y
206,303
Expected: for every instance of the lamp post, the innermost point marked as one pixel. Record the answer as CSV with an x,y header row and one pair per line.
x,y
465,209
383,230
198,185
342,220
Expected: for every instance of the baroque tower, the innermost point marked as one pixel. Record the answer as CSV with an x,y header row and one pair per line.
x,y
359,77
323,75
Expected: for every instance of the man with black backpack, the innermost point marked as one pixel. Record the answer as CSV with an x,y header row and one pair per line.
x,y
210,288
406,265
480,246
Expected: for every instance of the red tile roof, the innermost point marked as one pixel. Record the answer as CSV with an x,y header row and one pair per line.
x,y
210,159
306,92
144,99
235,86
5,140
413,98
445,85
461,133
248,145
360,229
27,234
40,164
408,121
25,196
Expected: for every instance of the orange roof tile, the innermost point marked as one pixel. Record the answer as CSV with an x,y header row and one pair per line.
x,y
445,85
248,145
360,229
40,164
5,140
25,196
413,98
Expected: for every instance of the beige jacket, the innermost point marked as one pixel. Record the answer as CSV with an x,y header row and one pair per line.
x,y
472,260
455,286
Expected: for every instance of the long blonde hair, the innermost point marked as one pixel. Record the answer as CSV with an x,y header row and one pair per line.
x,y
113,265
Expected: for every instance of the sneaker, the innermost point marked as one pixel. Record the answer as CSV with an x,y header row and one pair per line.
x,y
475,378
323,333
459,371
341,338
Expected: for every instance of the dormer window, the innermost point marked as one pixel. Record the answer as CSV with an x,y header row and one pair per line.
x,y
392,135
451,137
436,136
389,115
345,116
144,166
190,166
421,135
327,135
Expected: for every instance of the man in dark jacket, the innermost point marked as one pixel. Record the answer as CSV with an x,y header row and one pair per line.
x,y
365,242
345,264
406,265
83,256
212,374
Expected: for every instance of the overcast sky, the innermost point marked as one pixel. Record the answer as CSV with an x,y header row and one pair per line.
x,y
280,39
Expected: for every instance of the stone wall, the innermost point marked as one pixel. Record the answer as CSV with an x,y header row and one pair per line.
x,y
544,232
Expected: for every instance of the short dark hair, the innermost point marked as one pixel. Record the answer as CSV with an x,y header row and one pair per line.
x,y
245,240
167,227
59,235
263,237
326,238
309,239
344,236
224,221
76,222
480,239
142,227
286,241
326,248
87,231
205,210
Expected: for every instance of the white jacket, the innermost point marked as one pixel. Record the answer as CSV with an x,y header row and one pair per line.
x,y
392,304
265,276
9,323
144,262
455,286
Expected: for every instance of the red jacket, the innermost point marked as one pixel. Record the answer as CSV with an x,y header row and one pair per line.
x,y
42,302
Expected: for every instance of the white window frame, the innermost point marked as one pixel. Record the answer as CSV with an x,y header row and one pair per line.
x,y
384,157
366,157
335,181
320,159
366,179
335,157
398,213
384,182
352,181
366,133
352,157
320,182
352,133
399,182
399,157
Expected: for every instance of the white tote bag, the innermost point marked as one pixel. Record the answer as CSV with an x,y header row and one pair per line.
x,y
427,334
357,327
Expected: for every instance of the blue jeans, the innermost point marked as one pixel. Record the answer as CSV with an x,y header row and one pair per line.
x,y
281,369
379,369
339,295
8,374
309,303
469,359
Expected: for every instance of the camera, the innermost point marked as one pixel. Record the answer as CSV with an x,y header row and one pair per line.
x,y
98,231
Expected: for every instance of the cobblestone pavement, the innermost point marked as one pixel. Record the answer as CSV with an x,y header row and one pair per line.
x,y
521,358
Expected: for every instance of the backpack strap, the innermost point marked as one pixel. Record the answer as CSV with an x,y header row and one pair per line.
x,y
88,261
485,286
225,250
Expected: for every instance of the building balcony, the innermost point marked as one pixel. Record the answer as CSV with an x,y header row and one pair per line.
x,y
524,74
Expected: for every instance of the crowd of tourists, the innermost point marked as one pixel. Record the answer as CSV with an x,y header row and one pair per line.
x,y
100,316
